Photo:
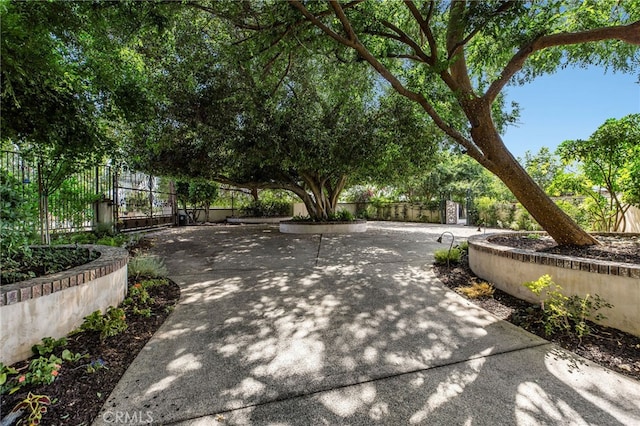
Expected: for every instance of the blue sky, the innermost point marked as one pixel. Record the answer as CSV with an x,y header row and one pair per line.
x,y
570,104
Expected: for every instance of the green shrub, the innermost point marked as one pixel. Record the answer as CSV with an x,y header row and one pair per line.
x,y
146,266
48,345
342,216
566,314
113,322
447,256
463,246
266,208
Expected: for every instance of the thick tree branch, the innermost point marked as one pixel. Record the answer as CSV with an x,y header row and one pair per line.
x,y
404,38
424,27
504,6
627,33
458,63
471,148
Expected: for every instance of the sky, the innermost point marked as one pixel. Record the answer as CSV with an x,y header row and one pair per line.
x,y
570,104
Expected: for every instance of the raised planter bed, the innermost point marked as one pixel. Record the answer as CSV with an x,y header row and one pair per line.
x,y
255,220
508,268
301,227
54,305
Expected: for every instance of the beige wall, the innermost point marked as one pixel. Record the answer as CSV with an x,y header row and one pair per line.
x,y
509,275
633,220
25,323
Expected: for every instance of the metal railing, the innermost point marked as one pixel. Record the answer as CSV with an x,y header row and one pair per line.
x,y
100,194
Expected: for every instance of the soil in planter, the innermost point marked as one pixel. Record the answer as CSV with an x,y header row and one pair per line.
x,y
44,261
615,248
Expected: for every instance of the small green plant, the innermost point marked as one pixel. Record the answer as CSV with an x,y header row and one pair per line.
x,y
96,365
154,282
477,290
446,256
342,216
145,312
48,345
463,246
146,266
42,370
5,382
113,322
533,236
35,406
566,314
69,356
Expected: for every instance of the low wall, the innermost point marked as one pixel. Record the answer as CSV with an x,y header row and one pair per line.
x,y
54,305
508,268
292,227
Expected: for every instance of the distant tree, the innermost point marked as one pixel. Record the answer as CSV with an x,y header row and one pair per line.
x,y
610,163
543,167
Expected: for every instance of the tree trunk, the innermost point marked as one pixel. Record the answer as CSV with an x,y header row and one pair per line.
x,y
498,160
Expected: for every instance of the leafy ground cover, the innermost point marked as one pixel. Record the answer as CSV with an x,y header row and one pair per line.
x,y
39,261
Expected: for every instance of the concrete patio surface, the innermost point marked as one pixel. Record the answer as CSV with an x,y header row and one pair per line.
x,y
282,329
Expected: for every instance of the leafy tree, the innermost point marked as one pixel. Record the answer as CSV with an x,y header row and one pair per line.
x,y
59,98
543,167
196,194
454,59
610,162
311,129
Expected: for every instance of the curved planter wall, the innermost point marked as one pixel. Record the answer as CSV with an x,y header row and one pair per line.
x,y
323,227
54,305
252,220
508,268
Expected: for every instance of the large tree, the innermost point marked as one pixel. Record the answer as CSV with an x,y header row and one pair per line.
x,y
455,58
311,127
610,163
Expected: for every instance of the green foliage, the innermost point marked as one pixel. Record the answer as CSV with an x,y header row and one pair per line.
x,y
43,370
543,167
609,159
566,314
35,406
46,260
69,356
48,345
463,246
146,266
5,383
342,216
266,208
446,256
112,323
15,218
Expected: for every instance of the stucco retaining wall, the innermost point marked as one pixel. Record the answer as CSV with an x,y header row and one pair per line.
x,y
508,268
54,305
323,227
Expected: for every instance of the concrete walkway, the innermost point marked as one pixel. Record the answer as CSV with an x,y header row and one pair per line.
x,y
276,329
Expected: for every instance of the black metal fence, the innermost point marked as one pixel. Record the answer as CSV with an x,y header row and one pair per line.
x,y
102,194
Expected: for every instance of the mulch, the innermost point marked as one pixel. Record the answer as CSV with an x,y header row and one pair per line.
x,y
611,348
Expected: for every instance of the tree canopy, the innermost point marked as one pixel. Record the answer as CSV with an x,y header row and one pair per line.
x,y
311,128
455,58
610,161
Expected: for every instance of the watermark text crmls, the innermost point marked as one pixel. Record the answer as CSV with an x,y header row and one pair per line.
x,y
128,417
